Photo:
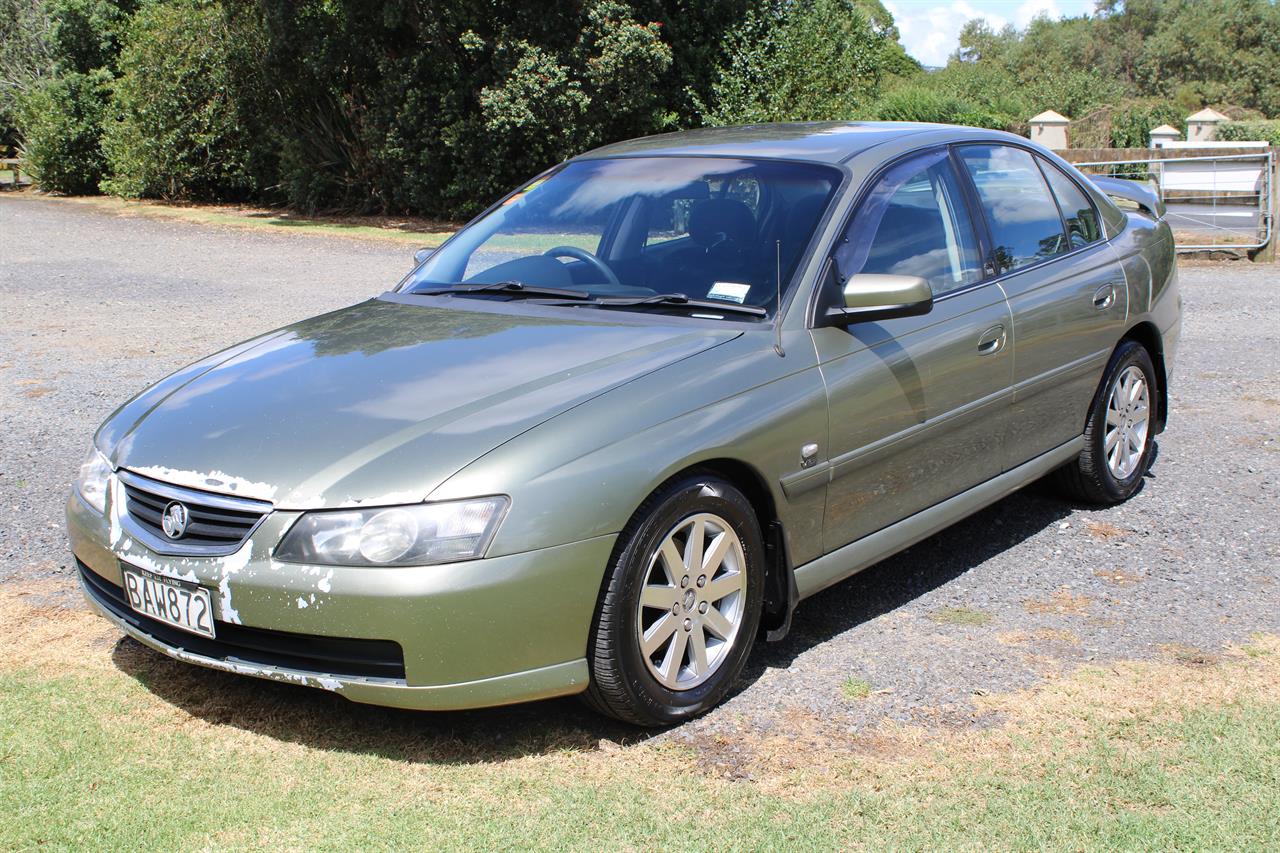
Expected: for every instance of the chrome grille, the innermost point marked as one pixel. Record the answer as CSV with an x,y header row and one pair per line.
x,y
217,524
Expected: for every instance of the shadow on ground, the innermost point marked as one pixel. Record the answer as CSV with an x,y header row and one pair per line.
x,y
326,721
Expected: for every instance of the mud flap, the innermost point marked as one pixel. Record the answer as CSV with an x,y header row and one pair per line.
x,y
780,594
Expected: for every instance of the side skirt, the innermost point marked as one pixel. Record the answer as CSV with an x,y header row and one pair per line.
x,y
815,576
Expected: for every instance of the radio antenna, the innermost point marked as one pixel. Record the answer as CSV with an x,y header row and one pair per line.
x,y
777,308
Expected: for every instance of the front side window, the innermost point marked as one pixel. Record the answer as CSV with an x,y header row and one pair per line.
x,y
1077,211
707,228
914,222
1022,214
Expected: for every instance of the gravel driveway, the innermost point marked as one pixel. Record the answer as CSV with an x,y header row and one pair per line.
x,y
97,306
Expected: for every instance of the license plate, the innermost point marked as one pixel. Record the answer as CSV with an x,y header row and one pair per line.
x,y
173,602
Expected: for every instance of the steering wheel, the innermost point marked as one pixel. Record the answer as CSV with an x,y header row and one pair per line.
x,y
586,257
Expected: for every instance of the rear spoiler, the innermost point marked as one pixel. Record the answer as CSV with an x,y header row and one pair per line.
x,y
1142,193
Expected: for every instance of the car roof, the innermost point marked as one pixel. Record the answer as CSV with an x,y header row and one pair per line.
x,y
818,142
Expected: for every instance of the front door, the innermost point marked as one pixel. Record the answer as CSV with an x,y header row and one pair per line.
x,y
917,404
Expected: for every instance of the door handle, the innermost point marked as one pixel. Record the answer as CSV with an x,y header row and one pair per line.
x,y
1104,296
992,340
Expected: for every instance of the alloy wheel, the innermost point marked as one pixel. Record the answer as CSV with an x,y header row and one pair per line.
x,y
1128,422
692,603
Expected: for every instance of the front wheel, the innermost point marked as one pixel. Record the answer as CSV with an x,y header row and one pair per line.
x,y
1119,436
680,606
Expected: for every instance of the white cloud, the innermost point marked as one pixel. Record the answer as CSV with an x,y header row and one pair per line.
x,y
931,32
1028,11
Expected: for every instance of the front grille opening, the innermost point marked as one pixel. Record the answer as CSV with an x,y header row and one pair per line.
x,y
241,644
215,521
207,526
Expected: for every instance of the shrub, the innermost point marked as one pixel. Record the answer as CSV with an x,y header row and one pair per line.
x,y
85,34
922,103
1131,124
411,110
801,60
1250,131
188,118
60,121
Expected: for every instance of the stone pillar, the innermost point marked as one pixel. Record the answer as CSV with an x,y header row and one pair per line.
x,y
1203,126
1162,134
1050,130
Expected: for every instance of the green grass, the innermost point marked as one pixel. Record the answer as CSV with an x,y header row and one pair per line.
x,y
855,688
105,745
961,616
84,767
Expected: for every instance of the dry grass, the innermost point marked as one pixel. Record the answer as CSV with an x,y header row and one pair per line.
x,y
1189,655
1039,635
1117,576
419,231
1103,530
1062,603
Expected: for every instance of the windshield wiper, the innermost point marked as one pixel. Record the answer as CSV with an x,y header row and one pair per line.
x,y
679,300
516,289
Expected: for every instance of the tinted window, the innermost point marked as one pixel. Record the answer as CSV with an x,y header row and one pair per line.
x,y
914,222
1025,226
1081,218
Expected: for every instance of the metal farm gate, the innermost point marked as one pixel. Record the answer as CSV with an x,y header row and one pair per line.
x,y
1222,198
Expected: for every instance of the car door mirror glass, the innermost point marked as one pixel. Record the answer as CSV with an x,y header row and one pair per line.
x,y
422,254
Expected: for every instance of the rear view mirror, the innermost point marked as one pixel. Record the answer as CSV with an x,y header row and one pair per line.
x,y
422,254
872,296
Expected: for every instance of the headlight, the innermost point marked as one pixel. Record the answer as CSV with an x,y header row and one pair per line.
x,y
416,535
92,483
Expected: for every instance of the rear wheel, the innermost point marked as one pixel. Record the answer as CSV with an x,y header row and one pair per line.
x,y
1120,435
680,606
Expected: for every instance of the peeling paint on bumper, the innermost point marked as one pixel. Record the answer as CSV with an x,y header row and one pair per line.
x,y
486,632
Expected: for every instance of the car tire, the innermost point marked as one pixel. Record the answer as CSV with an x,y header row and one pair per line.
x,y
656,586
1101,474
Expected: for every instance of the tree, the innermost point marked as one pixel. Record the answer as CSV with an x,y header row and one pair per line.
x,y
796,60
189,122
26,58
61,101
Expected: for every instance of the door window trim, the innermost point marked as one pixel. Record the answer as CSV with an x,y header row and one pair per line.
x,y
1044,165
982,227
955,146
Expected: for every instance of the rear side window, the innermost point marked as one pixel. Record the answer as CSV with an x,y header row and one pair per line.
x,y
1077,211
914,222
1022,213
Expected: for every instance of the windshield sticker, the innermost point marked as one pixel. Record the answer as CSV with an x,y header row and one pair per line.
x,y
728,291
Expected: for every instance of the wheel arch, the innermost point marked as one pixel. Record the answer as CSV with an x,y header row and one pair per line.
x,y
780,595
1147,335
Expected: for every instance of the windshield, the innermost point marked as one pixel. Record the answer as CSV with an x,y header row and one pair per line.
x,y
711,229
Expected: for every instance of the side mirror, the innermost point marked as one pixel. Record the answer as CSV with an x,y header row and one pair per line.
x,y
872,296
421,255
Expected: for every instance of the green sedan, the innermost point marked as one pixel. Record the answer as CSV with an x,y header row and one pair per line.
x,y
613,431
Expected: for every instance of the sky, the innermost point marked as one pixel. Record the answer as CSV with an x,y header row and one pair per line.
x,y
931,29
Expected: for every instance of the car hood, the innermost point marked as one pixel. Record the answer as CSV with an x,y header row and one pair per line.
x,y
381,402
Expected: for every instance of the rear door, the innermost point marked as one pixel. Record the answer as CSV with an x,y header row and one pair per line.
x,y
917,403
1065,288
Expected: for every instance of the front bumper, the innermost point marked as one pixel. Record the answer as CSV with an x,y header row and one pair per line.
x,y
486,632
